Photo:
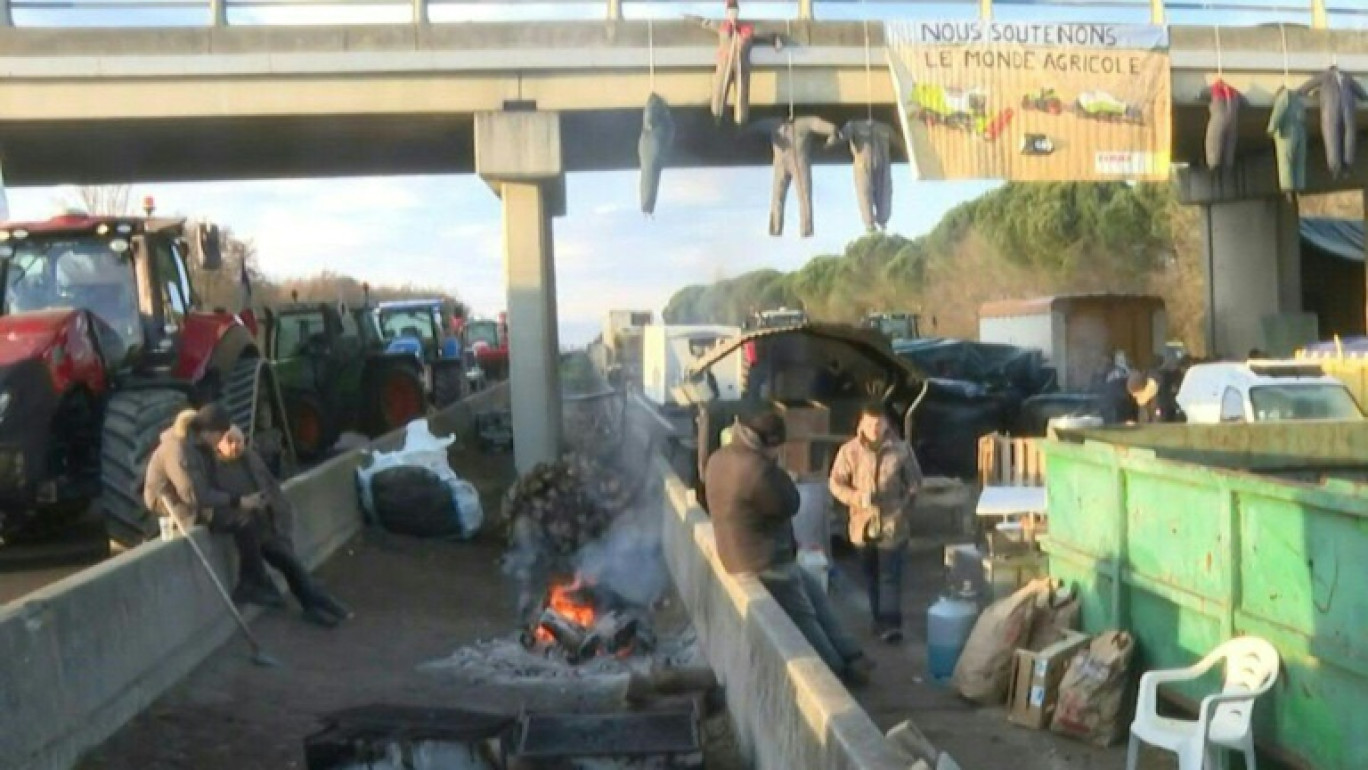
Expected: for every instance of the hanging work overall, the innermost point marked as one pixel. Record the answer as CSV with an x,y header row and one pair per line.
x,y
1223,123
1339,94
792,142
870,143
653,148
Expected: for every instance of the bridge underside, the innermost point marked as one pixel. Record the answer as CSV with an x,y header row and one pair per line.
x,y
193,149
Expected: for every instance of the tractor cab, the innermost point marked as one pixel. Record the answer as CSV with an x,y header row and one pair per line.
x,y
337,376
131,274
414,326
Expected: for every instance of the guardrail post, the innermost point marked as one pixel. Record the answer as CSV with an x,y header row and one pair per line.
x,y
420,12
805,10
986,10
1319,18
614,10
218,12
1157,13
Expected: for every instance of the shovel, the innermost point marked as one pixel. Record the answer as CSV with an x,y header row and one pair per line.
x,y
259,655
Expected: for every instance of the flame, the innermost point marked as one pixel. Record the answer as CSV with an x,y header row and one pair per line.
x,y
561,602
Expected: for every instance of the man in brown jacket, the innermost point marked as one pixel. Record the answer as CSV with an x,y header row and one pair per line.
x,y
752,502
877,477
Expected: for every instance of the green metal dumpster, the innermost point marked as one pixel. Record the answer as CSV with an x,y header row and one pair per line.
x,y
1187,535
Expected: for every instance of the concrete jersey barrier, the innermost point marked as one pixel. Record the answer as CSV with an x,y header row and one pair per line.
x,y
790,710
82,656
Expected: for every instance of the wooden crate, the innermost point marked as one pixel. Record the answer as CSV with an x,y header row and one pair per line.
x,y
1011,462
803,420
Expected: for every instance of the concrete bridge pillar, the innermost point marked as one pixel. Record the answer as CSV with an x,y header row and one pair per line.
x,y
1253,270
519,155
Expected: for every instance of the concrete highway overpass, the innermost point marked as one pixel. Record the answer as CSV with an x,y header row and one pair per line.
x,y
524,103
109,105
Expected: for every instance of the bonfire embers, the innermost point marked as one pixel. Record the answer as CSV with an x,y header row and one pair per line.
x,y
580,621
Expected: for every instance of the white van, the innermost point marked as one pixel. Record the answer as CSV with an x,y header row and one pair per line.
x,y
1264,391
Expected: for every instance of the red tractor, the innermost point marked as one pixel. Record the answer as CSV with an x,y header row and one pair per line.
x,y
101,344
488,341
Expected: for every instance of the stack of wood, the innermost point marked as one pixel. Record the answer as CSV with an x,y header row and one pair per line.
x,y
566,504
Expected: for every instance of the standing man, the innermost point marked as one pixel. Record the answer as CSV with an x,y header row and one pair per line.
x,y
876,475
752,502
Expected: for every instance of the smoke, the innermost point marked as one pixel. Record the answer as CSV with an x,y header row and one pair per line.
x,y
629,559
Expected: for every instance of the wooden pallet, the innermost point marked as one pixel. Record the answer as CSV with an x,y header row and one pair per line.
x,y
1010,462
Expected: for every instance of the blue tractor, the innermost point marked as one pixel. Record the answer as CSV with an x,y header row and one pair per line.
x,y
417,327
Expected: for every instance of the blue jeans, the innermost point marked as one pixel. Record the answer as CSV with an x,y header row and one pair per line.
x,y
802,598
883,573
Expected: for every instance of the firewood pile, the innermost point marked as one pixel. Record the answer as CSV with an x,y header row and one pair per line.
x,y
566,504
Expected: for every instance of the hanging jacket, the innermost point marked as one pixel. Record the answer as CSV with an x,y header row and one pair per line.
x,y
1287,126
653,148
1339,94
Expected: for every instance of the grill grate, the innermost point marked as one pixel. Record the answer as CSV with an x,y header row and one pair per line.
x,y
620,735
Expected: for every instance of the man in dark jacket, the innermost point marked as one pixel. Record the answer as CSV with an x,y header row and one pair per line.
x,y
240,472
752,503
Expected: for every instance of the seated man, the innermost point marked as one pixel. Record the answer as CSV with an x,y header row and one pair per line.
x,y
180,473
241,473
752,502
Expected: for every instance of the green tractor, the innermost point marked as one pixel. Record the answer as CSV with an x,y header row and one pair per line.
x,y
335,375
416,327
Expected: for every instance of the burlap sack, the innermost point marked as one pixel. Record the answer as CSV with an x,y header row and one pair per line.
x,y
1051,622
1093,691
983,668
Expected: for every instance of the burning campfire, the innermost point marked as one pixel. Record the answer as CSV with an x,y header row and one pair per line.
x,y
580,621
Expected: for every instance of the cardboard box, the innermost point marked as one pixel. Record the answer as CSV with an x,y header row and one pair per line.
x,y
802,420
1033,689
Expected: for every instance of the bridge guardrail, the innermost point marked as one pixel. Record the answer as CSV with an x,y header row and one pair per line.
x,y
1317,14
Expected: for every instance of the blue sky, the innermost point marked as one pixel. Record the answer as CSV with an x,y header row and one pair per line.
x,y
709,224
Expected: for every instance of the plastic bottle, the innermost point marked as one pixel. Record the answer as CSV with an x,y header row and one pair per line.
x,y
948,623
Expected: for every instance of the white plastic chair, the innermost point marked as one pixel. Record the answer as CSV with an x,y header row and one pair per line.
x,y
1251,668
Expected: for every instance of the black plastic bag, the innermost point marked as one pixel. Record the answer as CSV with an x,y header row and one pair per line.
x,y
414,501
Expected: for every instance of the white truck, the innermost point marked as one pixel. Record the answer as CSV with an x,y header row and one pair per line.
x,y
1080,334
667,352
1264,391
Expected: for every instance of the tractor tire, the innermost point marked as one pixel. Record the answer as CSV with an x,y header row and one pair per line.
x,y
448,383
133,424
395,397
313,428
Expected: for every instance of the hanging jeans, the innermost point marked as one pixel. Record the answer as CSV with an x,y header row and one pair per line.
x,y
258,547
883,573
801,596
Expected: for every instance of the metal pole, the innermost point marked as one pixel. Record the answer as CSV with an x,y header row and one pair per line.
x,y
986,10
1157,12
420,12
218,13
1319,17
805,10
6,14
614,10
